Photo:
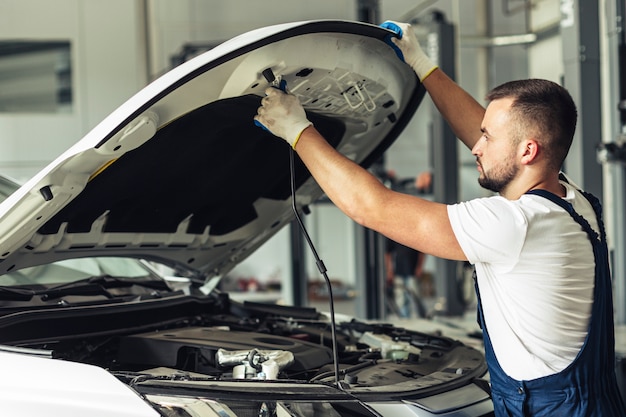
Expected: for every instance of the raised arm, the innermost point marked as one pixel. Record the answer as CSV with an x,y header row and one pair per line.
x,y
412,221
462,112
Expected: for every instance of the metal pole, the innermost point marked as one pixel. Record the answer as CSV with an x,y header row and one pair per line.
x,y
580,34
441,47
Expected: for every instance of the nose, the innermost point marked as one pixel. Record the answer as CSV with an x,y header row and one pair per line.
x,y
476,149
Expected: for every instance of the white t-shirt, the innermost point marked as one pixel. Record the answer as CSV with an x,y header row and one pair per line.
x,y
535,271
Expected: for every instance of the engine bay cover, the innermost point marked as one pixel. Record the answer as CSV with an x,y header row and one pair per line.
x,y
194,348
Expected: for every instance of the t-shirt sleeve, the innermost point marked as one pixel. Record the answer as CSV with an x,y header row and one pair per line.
x,y
489,230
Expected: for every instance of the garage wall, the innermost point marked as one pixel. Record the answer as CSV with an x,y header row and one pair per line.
x,y
176,23
547,13
108,66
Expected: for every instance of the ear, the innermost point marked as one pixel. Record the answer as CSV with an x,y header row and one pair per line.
x,y
529,150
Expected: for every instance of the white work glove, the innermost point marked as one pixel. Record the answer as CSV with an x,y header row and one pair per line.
x,y
282,114
410,48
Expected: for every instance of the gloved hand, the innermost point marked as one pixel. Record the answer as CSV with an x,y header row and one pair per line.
x,y
282,114
411,50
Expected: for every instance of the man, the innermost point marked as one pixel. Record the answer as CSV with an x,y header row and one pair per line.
x,y
404,267
538,247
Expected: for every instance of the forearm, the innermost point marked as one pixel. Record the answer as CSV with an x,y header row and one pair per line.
x,y
360,195
462,112
351,188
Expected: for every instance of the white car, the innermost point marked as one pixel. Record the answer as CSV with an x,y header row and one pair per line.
x,y
180,175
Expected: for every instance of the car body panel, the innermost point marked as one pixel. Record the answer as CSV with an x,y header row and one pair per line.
x,y
43,386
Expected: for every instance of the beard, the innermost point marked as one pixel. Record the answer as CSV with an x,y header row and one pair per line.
x,y
501,178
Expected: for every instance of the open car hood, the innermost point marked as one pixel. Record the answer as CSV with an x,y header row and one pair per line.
x,y
180,173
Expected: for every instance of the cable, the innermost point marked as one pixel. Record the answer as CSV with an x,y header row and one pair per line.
x,y
269,75
319,263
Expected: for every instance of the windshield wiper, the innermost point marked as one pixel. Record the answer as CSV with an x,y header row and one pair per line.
x,y
16,294
81,289
96,285
99,285
23,294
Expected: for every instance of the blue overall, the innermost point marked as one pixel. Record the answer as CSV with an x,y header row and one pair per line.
x,y
588,386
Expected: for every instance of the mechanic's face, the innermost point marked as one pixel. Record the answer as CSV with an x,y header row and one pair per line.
x,y
494,151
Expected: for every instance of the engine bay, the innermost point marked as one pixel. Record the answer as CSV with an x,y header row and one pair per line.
x,y
224,340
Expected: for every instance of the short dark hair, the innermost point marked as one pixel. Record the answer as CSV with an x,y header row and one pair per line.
x,y
546,107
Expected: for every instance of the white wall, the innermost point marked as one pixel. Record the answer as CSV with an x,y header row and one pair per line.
x,y
545,58
175,23
108,66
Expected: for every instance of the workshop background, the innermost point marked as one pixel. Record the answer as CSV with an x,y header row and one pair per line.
x,y
66,64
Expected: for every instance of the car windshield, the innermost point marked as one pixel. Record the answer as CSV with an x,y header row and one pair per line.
x,y
72,270
7,187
